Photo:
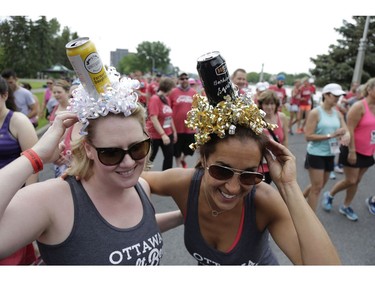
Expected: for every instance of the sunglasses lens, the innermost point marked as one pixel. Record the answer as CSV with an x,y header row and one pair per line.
x,y
111,156
140,150
250,178
220,173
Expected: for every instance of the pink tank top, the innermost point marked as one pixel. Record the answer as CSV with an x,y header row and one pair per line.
x,y
364,133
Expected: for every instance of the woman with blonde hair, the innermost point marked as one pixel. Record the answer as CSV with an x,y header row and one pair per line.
x,y
104,218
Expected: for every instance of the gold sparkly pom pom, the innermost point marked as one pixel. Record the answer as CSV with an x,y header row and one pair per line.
x,y
207,119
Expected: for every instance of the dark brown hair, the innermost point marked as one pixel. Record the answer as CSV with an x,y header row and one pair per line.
x,y
242,133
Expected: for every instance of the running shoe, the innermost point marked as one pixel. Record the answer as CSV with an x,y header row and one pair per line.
x,y
349,213
327,201
332,175
339,170
370,205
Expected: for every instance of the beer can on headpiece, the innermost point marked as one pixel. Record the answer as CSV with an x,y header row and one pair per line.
x,y
215,78
88,66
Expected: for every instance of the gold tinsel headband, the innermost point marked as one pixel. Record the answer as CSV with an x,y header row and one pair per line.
x,y
208,119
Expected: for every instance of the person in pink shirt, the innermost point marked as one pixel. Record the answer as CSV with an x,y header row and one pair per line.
x,y
294,105
280,90
269,102
160,125
181,99
48,94
359,155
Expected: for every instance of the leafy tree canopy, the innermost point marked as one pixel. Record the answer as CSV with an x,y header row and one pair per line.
x,y
29,47
338,65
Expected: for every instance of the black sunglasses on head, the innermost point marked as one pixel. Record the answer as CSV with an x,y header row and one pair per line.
x,y
225,173
110,156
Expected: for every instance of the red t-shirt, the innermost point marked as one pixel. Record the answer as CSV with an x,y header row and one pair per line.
x,y
306,93
164,113
181,101
143,89
152,88
281,93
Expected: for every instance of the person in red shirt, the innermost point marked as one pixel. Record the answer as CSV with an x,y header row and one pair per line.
x,y
153,87
181,99
142,91
280,90
306,92
160,125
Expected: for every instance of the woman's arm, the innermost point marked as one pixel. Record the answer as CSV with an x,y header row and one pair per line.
x,y
285,123
24,131
24,213
315,246
354,115
155,122
169,220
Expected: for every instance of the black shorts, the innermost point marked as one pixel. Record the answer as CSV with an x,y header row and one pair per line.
x,y
182,145
363,161
325,163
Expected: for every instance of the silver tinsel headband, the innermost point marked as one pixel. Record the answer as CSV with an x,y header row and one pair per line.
x,y
119,97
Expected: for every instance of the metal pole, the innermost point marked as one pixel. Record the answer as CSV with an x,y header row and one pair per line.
x,y
153,65
261,74
357,75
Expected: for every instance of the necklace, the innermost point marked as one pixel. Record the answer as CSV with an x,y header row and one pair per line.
x,y
214,213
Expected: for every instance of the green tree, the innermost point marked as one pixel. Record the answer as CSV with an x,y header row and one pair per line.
x,y
30,47
129,64
150,57
338,65
154,56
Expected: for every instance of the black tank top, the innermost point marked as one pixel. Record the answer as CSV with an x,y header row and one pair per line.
x,y
93,241
252,248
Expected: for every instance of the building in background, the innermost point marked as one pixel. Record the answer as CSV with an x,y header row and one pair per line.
x,y
116,56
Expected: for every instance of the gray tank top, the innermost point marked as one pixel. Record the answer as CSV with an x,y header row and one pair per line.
x,y
93,241
252,248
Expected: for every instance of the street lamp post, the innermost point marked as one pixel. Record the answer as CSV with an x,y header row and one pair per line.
x,y
357,75
152,59
153,64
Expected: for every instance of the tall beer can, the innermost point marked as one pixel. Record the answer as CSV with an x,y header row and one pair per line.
x,y
215,78
88,66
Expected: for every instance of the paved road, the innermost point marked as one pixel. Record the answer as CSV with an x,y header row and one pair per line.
x,y
353,240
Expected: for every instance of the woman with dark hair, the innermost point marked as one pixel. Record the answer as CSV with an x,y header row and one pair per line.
x,y
17,134
228,210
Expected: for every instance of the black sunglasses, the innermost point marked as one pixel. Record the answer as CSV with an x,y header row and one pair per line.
x,y
223,173
110,156
184,78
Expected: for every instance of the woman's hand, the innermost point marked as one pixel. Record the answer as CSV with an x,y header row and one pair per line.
x,y
281,163
48,148
166,140
345,139
352,157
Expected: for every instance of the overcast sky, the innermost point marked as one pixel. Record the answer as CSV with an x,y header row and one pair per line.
x,y
282,35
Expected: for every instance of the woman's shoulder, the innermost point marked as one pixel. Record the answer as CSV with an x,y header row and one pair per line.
x,y
20,121
49,192
267,196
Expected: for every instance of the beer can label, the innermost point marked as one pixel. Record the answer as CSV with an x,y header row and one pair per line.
x,y
215,78
88,66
